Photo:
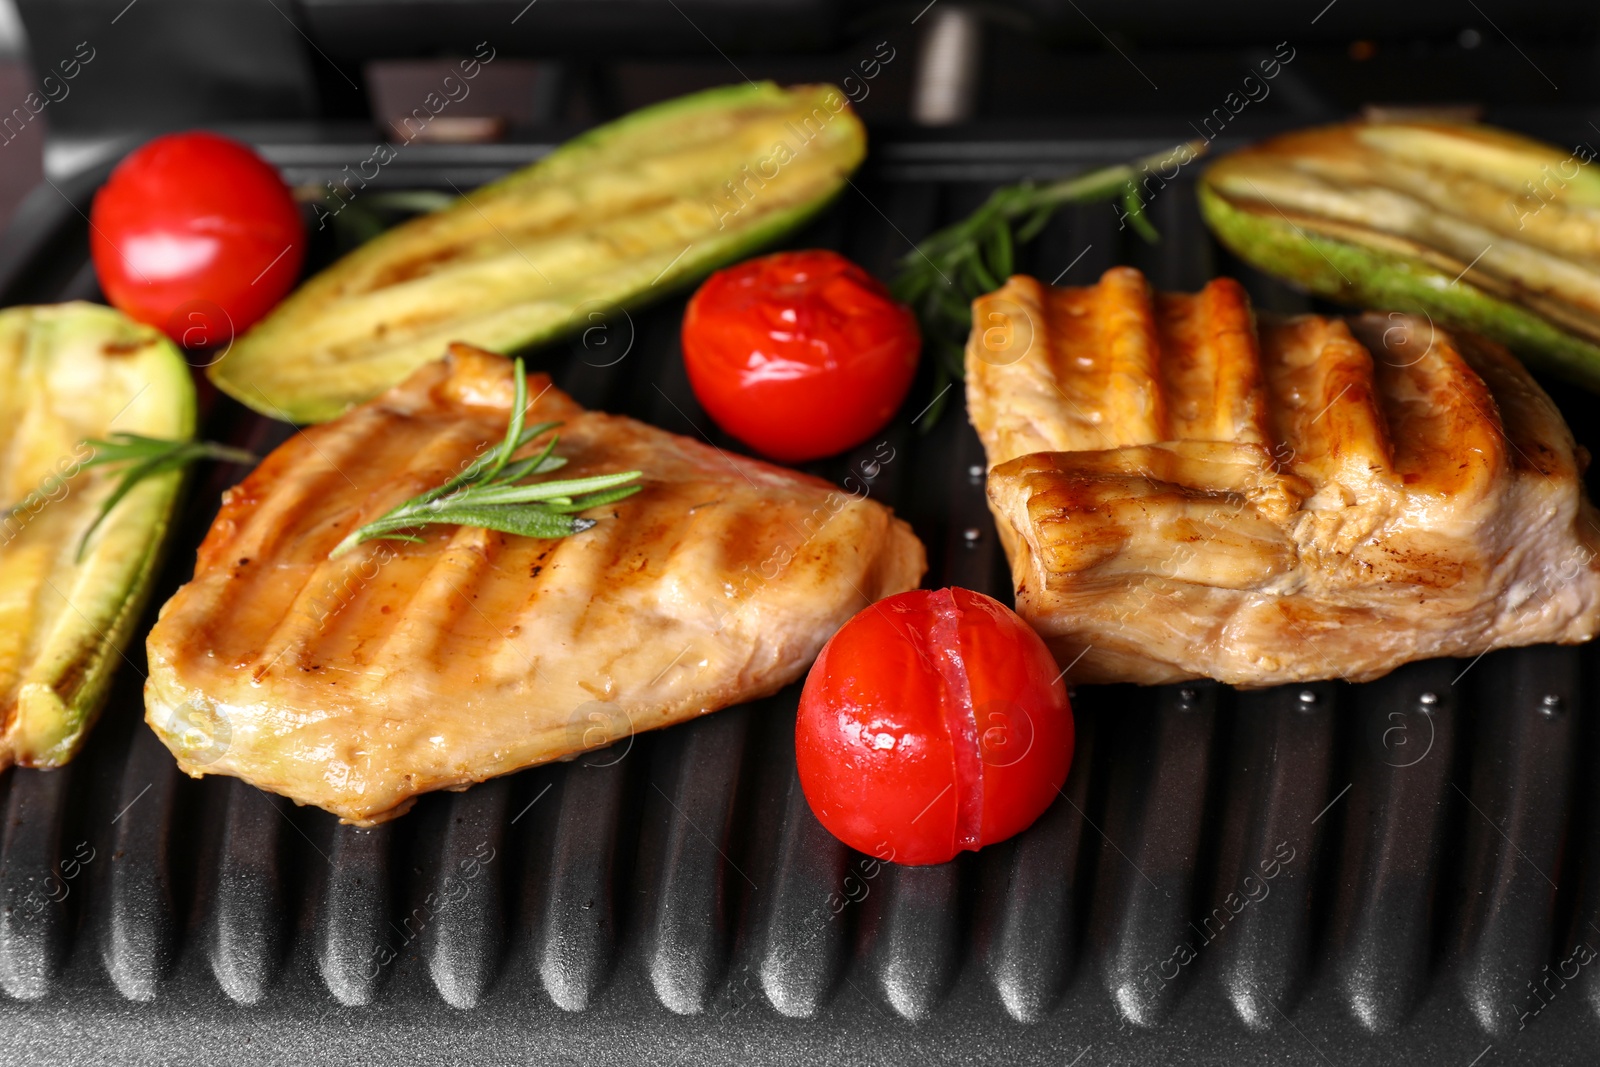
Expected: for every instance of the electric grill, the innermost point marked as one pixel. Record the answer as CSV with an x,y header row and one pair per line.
x,y
1417,857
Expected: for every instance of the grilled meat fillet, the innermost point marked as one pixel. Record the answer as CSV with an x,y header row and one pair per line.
x,y
1187,490
358,683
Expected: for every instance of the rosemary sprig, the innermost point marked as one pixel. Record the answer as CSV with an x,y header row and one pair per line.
x,y
150,457
943,275
485,493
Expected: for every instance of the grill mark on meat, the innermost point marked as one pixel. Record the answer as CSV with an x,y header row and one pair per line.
x,y
439,604
1446,428
1539,440
1071,332
334,586
1212,365
1135,406
1322,403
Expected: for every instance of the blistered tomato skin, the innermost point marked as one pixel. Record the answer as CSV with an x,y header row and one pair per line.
x,y
800,354
196,235
932,722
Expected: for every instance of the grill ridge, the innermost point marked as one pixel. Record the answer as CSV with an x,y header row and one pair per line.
x,y
139,939
245,927
1390,856
576,926
1036,900
686,939
1520,790
1142,895
34,920
463,937
354,931
800,937
1276,768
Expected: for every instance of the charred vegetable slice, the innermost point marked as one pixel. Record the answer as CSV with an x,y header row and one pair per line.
x,y
68,373
608,221
1472,226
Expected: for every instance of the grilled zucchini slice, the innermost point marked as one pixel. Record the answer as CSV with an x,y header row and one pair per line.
x,y
71,372
1472,226
609,221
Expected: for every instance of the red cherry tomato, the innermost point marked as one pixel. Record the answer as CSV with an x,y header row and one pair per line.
x,y
932,722
800,354
196,235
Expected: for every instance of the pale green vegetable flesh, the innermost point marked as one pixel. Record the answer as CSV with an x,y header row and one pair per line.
x,y
1473,227
71,372
609,221
1352,274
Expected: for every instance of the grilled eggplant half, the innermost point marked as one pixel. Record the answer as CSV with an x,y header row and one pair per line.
x,y
1469,225
69,373
608,221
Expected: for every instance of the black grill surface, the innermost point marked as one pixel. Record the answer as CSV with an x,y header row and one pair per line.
x,y
1398,872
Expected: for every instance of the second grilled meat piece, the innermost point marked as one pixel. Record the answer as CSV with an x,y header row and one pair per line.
x,y
1184,494
357,683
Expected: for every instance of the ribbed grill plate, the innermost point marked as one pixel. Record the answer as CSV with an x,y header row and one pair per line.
x,y
1321,874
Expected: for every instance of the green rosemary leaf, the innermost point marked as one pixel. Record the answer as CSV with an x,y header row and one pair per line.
x,y
941,396
954,308
1133,204
541,463
1036,223
910,287
532,494
595,500
415,201
519,414
524,468
953,357
1000,252
487,493
150,457
979,275
504,518
949,269
121,447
